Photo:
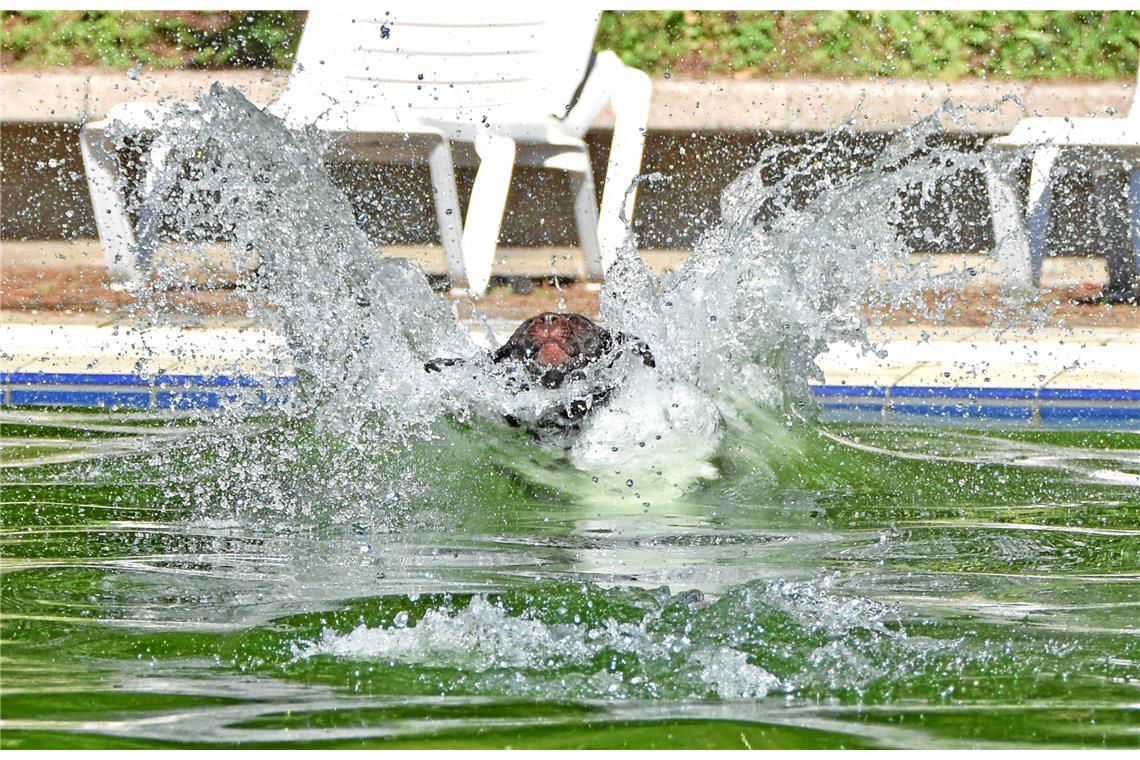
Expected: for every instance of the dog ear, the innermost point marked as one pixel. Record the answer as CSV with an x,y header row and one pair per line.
x,y
512,349
607,341
641,348
437,365
505,351
638,346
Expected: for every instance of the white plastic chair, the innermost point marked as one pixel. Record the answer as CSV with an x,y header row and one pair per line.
x,y
388,136
519,84
1097,143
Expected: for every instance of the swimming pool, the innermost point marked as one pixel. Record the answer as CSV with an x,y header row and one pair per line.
x,y
877,587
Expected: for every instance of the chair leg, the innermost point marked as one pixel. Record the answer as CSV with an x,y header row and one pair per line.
x,y
1120,255
1037,207
447,211
630,100
149,219
1134,224
586,219
121,252
484,215
1011,241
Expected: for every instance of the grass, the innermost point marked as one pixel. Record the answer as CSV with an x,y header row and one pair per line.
x,y
743,44
928,45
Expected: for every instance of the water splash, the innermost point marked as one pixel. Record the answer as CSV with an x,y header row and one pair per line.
x,y
788,267
735,330
359,326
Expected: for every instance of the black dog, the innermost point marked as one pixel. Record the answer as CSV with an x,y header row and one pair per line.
x,y
553,347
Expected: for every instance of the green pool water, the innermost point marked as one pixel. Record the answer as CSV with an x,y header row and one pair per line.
x,y
267,583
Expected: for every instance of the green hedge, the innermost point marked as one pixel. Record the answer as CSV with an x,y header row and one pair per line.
x,y
942,45
159,39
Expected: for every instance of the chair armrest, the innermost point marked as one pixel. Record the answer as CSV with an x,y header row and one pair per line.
x,y
626,89
133,115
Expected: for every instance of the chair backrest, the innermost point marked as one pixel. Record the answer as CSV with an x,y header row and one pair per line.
x,y
455,65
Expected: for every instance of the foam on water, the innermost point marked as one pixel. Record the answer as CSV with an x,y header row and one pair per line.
x,y
672,646
806,640
649,423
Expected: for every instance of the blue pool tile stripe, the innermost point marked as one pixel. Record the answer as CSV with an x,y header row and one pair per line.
x,y
904,391
136,392
99,399
989,411
849,391
74,378
187,400
1098,413
969,393
1090,394
1046,406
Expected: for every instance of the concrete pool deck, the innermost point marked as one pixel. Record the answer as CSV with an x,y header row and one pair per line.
x,y
69,341
1051,377
40,256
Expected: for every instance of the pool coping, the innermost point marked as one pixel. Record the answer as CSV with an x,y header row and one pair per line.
x,y
710,104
